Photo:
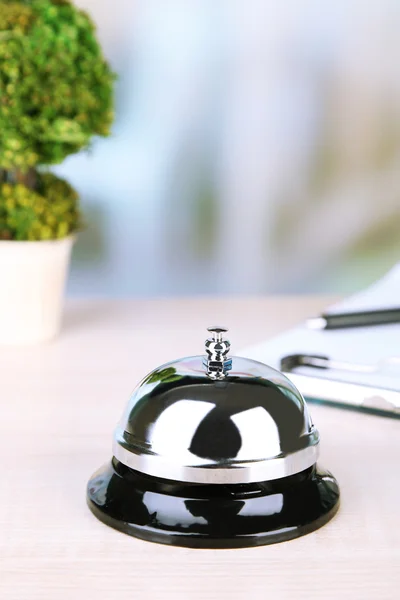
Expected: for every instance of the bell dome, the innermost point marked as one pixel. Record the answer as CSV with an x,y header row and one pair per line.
x,y
250,425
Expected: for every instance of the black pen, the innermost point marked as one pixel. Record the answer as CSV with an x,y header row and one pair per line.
x,y
366,318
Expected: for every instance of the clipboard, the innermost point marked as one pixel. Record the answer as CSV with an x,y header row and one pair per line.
x,y
377,388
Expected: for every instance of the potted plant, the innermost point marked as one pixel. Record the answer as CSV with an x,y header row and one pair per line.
x,y
56,93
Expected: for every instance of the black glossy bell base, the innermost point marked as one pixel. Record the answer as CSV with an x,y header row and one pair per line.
x,y
212,516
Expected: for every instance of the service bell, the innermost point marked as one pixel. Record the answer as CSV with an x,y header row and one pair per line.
x,y
214,451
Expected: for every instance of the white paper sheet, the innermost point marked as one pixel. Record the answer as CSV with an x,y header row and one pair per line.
x,y
376,345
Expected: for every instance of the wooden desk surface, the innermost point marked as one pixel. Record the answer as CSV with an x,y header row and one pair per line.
x,y
59,404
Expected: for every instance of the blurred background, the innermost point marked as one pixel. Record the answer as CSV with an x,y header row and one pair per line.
x,y
256,149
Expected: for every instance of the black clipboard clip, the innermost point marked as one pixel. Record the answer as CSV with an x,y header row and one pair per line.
x,y
337,392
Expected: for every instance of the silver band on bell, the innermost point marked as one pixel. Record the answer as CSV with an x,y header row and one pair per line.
x,y
214,473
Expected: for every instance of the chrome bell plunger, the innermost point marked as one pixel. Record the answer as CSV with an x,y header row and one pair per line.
x,y
214,452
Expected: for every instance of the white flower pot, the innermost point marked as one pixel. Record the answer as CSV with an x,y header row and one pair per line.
x,y
32,281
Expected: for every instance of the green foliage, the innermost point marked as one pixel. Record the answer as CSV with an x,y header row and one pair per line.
x,y
166,375
56,92
13,15
48,212
56,89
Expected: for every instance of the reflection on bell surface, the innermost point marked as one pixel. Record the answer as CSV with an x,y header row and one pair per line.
x,y
214,452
